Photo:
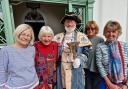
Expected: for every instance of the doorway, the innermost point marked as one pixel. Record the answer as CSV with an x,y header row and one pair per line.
x,y
34,18
36,28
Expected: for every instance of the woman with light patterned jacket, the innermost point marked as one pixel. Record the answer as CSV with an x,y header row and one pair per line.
x,y
112,58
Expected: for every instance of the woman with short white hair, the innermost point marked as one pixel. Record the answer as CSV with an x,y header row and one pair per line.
x,y
17,69
45,30
46,57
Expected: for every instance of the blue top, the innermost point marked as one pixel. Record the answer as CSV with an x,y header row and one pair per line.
x,y
17,68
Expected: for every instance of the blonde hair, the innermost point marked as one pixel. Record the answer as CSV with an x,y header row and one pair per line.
x,y
20,29
113,25
45,30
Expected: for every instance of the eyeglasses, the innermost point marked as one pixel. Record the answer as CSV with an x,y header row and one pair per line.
x,y
91,28
26,35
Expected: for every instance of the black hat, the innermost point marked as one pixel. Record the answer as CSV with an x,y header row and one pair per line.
x,y
71,16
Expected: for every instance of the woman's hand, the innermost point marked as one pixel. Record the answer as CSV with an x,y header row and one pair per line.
x,y
110,85
113,86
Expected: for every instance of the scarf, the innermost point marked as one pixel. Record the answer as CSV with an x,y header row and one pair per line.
x,y
115,64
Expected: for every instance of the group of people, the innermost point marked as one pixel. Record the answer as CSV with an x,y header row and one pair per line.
x,y
68,60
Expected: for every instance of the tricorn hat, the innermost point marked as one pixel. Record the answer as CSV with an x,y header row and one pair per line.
x,y
71,16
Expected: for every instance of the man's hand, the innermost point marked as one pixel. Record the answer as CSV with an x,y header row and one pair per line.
x,y
76,63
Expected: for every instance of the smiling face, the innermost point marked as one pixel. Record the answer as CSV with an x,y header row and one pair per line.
x,y
24,38
70,25
111,35
46,39
91,31
46,35
112,31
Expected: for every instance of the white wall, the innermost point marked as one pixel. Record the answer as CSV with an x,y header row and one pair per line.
x,y
105,10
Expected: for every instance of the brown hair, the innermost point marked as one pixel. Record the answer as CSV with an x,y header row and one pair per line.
x,y
113,25
90,24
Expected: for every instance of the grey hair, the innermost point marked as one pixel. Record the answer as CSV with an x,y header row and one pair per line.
x,y
20,29
45,30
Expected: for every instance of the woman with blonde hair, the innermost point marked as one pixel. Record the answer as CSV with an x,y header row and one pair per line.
x,y
112,58
17,69
46,57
